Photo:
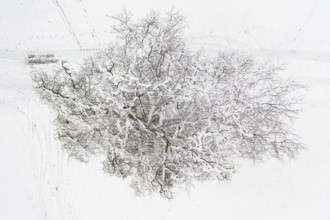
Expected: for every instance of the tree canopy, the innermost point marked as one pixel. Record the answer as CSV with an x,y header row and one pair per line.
x,y
167,116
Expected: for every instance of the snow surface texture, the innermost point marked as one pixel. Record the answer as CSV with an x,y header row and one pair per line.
x,y
38,181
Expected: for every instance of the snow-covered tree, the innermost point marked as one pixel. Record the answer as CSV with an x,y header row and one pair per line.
x,y
166,116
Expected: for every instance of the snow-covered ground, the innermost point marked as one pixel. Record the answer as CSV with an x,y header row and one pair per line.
x,y
39,181
262,24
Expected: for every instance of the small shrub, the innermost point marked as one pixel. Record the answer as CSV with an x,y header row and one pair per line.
x,y
41,59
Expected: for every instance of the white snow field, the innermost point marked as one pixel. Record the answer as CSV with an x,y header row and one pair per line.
x,y
39,181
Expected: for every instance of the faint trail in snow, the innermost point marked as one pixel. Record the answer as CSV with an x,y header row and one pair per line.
x,y
67,21
215,38
16,95
253,5
37,163
43,157
47,170
250,36
87,20
306,21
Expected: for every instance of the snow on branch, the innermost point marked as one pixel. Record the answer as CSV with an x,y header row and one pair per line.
x,y
167,116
